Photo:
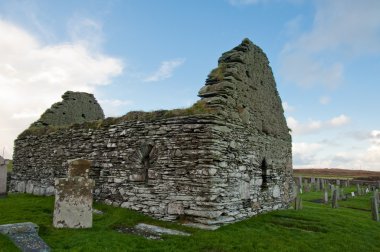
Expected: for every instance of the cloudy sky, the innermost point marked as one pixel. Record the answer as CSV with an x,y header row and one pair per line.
x,y
147,55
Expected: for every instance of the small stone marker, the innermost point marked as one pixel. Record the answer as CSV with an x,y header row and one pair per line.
x,y
334,202
358,192
300,182
337,193
375,208
298,203
366,190
25,236
342,194
318,186
159,230
326,196
332,191
376,194
322,184
338,182
3,179
73,198
353,194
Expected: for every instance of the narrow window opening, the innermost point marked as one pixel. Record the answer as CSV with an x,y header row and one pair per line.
x,y
83,115
145,159
264,176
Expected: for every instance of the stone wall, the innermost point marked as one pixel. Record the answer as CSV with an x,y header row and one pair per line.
x,y
76,107
201,167
232,162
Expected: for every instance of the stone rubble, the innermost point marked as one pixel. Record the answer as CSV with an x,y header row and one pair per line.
x,y
25,236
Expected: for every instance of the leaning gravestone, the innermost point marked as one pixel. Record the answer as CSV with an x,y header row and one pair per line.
x,y
25,237
3,178
73,198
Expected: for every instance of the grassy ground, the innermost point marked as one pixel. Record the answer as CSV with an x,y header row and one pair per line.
x,y
317,227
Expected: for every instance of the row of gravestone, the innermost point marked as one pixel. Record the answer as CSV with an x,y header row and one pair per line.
x,y
317,184
337,193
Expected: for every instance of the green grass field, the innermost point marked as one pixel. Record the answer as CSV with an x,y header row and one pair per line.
x,y
317,227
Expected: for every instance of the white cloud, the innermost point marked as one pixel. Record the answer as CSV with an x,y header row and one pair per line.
x,y
287,107
341,28
313,126
34,76
305,149
165,70
338,121
86,31
324,100
314,155
111,107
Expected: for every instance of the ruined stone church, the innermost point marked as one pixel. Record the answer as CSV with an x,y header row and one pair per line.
x,y
226,158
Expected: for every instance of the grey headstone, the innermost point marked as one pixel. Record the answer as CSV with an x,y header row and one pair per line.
x,y
25,237
337,189
332,191
334,202
326,196
3,179
318,187
358,191
298,203
300,182
73,198
375,208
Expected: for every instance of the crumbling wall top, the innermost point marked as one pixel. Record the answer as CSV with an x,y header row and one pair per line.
x,y
76,107
242,89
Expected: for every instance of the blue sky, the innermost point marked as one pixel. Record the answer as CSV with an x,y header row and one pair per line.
x,y
147,55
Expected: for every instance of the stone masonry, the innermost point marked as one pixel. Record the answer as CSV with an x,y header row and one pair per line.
x,y
73,197
76,107
226,164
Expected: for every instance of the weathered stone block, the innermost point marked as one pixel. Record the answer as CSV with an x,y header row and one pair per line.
x,y
73,203
78,168
175,208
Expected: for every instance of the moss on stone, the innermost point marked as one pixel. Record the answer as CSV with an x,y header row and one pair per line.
x,y
197,108
218,73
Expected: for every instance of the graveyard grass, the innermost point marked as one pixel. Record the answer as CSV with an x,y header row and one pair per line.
x,y
317,227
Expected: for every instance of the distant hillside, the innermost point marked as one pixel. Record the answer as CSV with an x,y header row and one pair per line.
x,y
333,172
